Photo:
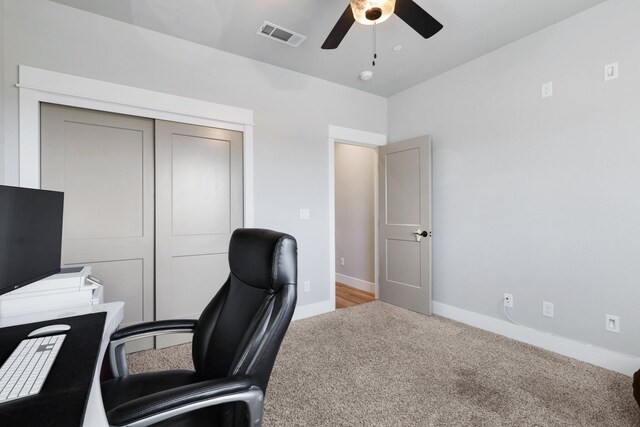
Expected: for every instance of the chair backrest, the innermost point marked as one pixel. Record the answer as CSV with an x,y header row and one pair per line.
x,y
240,331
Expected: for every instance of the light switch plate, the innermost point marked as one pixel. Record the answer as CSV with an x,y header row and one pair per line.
x,y
610,72
307,286
304,214
547,309
547,90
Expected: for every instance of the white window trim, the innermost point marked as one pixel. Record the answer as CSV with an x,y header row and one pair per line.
x,y
38,85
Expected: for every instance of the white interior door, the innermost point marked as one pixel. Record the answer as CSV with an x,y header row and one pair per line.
x,y
104,163
405,224
199,202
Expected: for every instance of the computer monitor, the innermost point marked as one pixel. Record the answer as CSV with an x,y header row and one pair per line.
x,y
30,235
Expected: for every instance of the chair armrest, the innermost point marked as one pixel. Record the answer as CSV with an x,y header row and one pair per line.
x,y
119,338
166,404
151,327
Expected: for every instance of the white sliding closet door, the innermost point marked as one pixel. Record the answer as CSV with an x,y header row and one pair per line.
x,y
199,202
104,163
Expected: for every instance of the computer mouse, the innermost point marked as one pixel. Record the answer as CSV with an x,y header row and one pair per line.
x,y
49,330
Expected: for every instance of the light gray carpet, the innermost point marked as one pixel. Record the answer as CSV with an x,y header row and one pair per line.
x,y
379,365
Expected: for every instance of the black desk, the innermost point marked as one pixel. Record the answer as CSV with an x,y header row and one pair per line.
x,y
62,401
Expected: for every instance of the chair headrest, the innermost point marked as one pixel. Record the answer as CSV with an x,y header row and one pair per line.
x,y
263,259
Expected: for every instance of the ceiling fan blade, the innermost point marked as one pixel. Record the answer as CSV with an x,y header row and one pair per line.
x,y
340,30
417,18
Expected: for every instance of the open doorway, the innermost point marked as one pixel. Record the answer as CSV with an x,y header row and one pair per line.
x,y
355,224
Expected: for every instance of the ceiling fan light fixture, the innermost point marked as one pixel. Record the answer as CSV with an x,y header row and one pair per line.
x,y
369,12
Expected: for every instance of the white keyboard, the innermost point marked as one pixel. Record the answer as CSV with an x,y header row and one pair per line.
x,y
26,369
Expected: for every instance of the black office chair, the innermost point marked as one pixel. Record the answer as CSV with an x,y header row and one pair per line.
x,y
235,342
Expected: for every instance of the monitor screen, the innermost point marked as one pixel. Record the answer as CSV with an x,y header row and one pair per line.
x,y
30,235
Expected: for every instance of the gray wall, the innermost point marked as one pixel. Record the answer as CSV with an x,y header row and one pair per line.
x,y
539,197
355,211
292,111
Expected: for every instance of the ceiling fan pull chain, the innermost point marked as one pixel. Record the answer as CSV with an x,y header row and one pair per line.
x,y
375,55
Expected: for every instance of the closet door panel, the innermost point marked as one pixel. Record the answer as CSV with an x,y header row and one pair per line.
x,y
104,163
198,205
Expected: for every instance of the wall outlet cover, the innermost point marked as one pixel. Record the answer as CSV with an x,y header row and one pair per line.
x,y
613,323
547,90
508,300
307,286
305,214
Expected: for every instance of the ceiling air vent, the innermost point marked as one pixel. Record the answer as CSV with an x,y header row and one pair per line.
x,y
278,33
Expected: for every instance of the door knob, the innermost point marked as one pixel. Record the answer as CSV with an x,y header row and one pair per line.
x,y
420,234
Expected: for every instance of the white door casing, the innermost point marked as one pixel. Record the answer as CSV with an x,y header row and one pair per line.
x,y
37,86
338,134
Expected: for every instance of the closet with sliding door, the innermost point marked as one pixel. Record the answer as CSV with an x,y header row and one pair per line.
x,y
150,205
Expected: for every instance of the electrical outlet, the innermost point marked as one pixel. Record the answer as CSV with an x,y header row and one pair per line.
x,y
307,286
547,309
342,261
613,323
508,300
547,90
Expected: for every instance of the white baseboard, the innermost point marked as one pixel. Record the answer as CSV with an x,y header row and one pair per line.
x,y
310,310
598,356
363,285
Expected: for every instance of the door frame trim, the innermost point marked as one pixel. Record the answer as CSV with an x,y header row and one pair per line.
x,y
342,135
38,85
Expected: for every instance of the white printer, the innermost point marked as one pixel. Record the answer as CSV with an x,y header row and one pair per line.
x,y
71,287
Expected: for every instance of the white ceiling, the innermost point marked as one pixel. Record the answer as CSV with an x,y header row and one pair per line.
x,y
472,28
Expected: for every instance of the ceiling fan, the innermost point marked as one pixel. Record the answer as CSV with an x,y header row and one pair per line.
x,y
370,12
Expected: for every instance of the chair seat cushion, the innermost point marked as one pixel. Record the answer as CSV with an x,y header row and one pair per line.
x,y
636,386
125,389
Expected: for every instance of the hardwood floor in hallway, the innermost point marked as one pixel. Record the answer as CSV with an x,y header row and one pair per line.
x,y
346,296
